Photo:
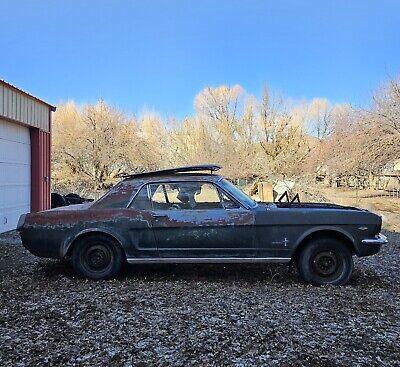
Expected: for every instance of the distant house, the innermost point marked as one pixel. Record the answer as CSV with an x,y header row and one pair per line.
x,y
25,128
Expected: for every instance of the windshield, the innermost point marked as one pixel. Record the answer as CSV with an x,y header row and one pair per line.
x,y
237,193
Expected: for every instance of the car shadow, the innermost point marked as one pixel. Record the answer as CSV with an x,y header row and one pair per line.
x,y
280,273
51,269
247,273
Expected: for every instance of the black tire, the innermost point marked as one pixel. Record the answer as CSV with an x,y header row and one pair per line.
x,y
325,261
57,200
97,257
72,199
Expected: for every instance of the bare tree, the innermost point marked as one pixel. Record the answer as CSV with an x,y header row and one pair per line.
x,y
90,144
283,140
366,141
93,143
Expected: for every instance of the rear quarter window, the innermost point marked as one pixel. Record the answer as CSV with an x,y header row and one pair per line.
x,y
141,200
117,197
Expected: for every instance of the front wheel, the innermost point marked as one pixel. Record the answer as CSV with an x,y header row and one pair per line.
x,y
325,261
97,257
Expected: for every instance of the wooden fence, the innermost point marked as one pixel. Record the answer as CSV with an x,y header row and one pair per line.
x,y
388,193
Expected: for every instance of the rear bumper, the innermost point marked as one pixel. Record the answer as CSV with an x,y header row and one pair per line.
x,y
379,239
39,244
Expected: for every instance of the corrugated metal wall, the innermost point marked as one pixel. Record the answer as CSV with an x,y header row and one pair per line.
x,y
19,107
22,108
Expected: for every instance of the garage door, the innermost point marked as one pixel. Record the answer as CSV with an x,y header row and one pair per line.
x,y
15,174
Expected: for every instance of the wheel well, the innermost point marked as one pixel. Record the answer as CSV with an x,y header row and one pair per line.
x,y
88,234
325,233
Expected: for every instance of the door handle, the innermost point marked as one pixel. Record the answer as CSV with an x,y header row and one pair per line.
x,y
156,216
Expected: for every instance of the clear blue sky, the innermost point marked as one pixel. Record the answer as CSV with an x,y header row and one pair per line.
x,y
160,54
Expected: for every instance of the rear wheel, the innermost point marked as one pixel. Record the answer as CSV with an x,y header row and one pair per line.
x,y
325,261
97,257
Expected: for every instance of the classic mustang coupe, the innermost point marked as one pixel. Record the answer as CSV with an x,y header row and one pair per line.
x,y
187,215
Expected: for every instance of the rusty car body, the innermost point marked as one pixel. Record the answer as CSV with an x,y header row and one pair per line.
x,y
189,215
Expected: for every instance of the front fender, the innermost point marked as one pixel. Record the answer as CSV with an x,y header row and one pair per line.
x,y
325,230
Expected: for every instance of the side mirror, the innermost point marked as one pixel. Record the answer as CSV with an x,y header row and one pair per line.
x,y
229,204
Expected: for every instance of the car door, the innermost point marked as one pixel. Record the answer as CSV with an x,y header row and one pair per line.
x,y
139,222
194,219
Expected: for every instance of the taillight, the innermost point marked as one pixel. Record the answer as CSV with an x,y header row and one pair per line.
x,y
21,222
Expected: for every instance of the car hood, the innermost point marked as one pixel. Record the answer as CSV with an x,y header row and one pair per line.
x,y
317,206
315,214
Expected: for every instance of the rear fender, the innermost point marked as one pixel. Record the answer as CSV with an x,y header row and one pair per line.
x,y
70,240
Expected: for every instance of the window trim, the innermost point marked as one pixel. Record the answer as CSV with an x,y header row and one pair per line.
x,y
242,204
163,183
133,197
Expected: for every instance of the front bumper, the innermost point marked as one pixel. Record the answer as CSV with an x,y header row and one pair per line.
x,y
371,245
379,239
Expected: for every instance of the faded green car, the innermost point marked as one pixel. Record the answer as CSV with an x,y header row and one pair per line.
x,y
186,215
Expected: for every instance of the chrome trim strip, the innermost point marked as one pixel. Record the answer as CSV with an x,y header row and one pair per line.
x,y
149,196
379,239
134,195
208,260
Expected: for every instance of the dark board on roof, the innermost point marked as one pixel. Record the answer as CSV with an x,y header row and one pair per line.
x,y
196,168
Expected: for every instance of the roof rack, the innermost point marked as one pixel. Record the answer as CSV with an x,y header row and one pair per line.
x,y
202,167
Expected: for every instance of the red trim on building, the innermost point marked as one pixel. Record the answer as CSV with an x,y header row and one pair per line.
x,y
40,170
49,161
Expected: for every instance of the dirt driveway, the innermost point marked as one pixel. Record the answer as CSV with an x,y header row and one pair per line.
x,y
197,315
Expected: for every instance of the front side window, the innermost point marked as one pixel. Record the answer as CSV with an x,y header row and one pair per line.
x,y
237,193
184,195
228,202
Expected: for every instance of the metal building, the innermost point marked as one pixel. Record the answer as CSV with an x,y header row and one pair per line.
x,y
25,131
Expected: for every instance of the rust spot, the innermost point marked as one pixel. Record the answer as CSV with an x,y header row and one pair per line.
x,y
187,218
72,217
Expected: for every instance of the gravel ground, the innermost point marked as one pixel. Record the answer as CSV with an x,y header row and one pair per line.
x,y
197,315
